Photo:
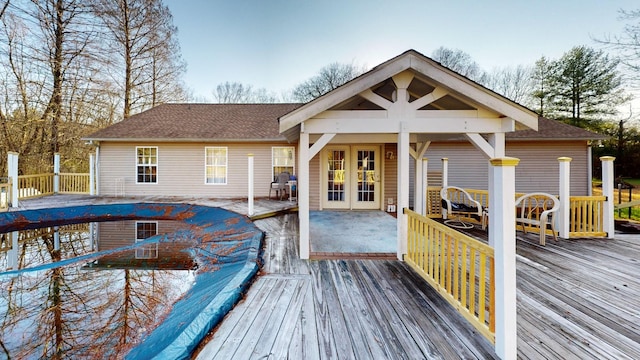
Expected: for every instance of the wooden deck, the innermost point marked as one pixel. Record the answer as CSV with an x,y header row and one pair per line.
x,y
577,299
339,309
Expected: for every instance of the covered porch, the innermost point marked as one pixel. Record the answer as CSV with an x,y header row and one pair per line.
x,y
408,102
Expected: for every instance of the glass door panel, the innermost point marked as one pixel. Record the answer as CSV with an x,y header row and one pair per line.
x,y
367,178
336,180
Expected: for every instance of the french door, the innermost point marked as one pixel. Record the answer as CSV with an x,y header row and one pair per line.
x,y
351,177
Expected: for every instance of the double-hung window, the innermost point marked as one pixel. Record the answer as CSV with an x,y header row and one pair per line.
x,y
147,164
145,230
216,165
282,160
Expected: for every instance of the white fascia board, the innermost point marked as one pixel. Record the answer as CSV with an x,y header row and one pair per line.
x,y
417,125
346,91
187,140
475,92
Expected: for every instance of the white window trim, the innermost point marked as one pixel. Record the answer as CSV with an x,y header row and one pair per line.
x,y
226,175
157,166
293,153
146,248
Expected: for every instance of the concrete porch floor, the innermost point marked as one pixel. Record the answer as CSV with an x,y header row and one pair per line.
x,y
353,232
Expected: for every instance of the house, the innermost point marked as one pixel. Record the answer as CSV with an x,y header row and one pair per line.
x,y
360,146
201,149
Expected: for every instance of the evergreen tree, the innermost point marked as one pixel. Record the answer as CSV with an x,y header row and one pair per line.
x,y
586,87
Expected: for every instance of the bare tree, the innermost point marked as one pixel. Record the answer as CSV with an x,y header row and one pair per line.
x,y
330,77
458,61
149,65
513,83
237,93
627,44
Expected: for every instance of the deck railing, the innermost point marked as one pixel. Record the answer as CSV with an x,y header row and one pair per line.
x,y
5,195
74,183
33,186
586,214
585,219
459,267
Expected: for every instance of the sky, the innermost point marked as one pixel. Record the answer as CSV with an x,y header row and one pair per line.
x,y
277,44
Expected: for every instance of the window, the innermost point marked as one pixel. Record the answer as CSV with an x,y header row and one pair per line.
x,y
147,165
145,230
216,165
282,160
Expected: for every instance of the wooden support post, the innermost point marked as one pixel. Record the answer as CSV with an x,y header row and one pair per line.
x,y
250,181
303,194
607,190
56,173
403,190
565,193
92,174
445,172
502,237
12,166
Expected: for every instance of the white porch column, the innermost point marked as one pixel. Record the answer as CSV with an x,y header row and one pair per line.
x,y
589,170
56,173
250,184
425,185
12,168
607,190
56,238
92,174
12,255
502,237
445,172
565,193
303,194
97,184
403,190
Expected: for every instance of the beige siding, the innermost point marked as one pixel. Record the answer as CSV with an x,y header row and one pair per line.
x,y
315,183
538,169
181,170
390,175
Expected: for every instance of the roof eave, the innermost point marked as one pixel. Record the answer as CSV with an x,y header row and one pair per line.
x,y
183,140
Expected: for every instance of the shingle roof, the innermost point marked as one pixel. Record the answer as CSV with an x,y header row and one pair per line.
x,y
554,130
259,122
194,122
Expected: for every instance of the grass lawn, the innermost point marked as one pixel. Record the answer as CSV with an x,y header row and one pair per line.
x,y
624,194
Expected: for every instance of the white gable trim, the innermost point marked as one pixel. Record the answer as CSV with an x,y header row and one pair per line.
x,y
448,81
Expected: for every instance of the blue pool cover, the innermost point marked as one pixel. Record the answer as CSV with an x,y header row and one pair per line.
x,y
227,253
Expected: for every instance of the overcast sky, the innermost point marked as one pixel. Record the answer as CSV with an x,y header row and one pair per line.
x,y
276,44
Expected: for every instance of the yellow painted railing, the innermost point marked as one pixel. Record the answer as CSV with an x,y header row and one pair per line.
x,y
585,219
5,196
586,214
74,183
33,186
459,267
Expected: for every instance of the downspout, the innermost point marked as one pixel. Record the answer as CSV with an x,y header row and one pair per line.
x,y
589,170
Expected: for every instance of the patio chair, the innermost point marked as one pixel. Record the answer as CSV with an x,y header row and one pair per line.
x,y
457,202
280,185
537,210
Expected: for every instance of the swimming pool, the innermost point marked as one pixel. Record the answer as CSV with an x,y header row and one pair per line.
x,y
224,245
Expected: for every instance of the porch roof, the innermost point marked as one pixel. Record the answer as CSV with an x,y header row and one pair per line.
x,y
445,79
